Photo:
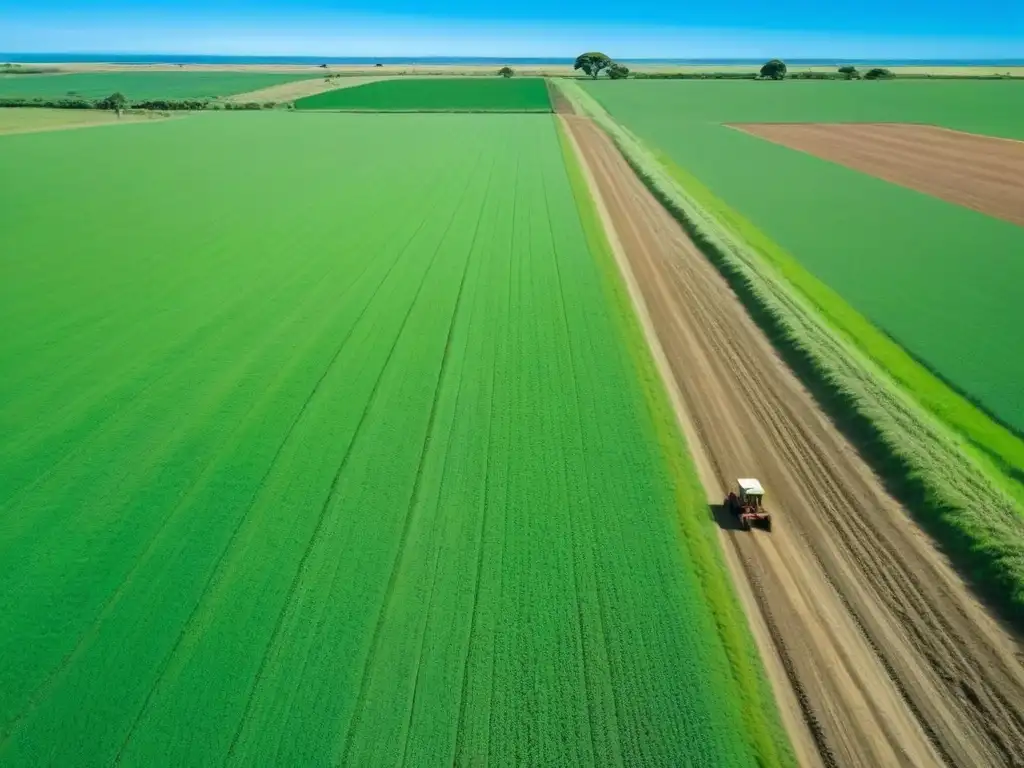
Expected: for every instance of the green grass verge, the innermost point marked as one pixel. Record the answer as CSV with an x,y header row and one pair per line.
x,y
140,86
526,94
962,497
762,725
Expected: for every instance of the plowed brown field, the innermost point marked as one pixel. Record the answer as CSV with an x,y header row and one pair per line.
x,y
879,654
978,172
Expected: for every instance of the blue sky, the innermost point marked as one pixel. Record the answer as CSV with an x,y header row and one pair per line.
x,y
630,29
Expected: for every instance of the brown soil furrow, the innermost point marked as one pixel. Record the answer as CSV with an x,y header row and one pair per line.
x,y
977,172
891,659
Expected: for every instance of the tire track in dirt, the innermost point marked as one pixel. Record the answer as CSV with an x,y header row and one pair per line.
x,y
891,660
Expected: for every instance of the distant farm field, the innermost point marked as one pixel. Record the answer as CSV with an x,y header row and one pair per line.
x,y
931,274
340,455
526,94
31,119
139,85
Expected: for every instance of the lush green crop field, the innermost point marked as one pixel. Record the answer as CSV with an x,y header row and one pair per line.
x,y
340,454
932,275
139,85
437,94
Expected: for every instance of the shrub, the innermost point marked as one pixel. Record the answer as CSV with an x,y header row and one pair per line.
x,y
879,73
814,76
618,72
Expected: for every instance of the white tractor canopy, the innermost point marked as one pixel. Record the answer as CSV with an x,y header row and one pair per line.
x,y
750,487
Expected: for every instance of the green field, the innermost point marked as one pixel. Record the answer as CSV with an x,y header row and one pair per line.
x,y
437,94
932,275
139,86
345,453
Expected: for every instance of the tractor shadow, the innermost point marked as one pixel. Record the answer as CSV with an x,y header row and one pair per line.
x,y
724,518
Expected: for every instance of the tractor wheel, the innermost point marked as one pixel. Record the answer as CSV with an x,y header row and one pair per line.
x,y
768,523
745,523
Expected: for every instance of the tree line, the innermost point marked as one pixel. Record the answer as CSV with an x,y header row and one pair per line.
x,y
594,63
118,102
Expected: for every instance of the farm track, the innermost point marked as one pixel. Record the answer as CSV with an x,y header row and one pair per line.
x,y
891,660
978,172
298,89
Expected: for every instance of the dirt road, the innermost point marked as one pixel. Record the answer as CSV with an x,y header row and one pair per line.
x,y
888,660
300,88
978,172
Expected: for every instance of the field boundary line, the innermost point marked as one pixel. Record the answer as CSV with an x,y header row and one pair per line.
x,y
417,485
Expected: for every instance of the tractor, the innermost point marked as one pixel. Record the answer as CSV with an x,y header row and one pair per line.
x,y
747,505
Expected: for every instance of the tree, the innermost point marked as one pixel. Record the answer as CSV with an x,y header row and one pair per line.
x,y
878,73
115,101
851,73
592,63
378,64
323,66
506,71
774,69
618,71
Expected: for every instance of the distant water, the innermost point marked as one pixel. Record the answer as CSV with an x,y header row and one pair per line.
x,y
144,58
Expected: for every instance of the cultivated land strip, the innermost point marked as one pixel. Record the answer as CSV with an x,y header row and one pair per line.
x,y
360,474
298,89
892,660
34,120
978,172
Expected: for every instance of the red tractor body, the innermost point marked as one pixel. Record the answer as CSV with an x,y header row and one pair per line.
x,y
747,505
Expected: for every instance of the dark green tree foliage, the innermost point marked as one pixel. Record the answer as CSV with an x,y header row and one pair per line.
x,y
849,72
618,71
506,71
115,101
592,63
774,69
878,73
64,103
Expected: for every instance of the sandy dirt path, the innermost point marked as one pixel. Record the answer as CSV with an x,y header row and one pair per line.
x,y
888,657
300,88
983,173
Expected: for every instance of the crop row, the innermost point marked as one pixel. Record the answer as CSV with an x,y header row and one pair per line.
x,y
359,473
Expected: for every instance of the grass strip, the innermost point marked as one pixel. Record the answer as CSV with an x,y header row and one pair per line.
x,y
763,726
965,498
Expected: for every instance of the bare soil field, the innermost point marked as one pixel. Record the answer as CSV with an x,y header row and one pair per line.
x,y
32,120
983,173
300,88
877,649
